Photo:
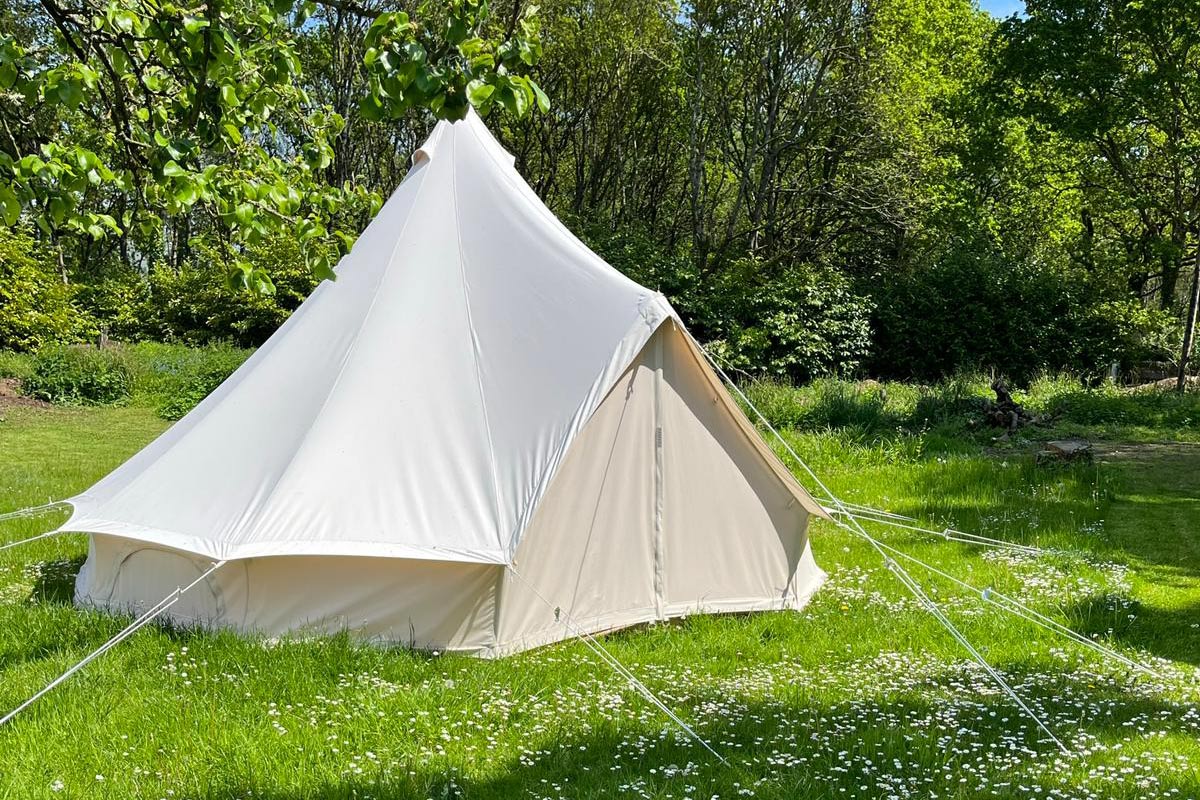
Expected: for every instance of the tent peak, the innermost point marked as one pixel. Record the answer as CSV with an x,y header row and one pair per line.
x,y
470,126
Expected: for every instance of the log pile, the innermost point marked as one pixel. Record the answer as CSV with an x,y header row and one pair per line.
x,y
1006,412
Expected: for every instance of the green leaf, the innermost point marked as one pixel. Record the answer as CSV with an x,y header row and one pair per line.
x,y
8,74
543,102
229,96
124,21
260,282
415,52
516,97
185,193
371,109
194,24
483,62
10,206
456,29
70,93
472,47
321,268
173,170
479,92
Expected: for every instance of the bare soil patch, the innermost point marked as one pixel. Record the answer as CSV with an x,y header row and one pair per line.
x,y
10,395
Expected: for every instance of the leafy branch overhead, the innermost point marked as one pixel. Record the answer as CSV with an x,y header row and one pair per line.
x,y
191,119
449,67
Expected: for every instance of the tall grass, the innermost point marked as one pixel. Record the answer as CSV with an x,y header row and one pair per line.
x,y
174,378
15,365
170,378
954,407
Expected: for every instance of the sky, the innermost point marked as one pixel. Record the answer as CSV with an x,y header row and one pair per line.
x,y
1002,8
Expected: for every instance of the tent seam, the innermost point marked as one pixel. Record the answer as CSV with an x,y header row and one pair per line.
x,y
531,503
337,379
466,287
526,191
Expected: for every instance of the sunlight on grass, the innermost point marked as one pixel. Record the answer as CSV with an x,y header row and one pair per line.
x,y
860,695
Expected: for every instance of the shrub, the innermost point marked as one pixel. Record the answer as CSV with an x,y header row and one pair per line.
x,y
792,321
36,307
195,304
197,385
975,310
78,376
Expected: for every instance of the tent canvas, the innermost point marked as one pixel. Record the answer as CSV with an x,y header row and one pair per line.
x,y
478,428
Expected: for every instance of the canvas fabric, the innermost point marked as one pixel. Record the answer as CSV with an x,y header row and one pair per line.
x,y
480,437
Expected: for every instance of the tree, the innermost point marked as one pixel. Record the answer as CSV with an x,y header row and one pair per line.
x,y
1123,76
192,118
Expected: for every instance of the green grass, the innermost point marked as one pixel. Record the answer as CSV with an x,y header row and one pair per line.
x,y
860,695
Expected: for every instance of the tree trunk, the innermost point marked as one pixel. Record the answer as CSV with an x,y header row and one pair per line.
x,y
1189,328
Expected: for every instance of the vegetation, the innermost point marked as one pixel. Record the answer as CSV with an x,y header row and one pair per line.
x,y
861,689
169,378
901,188
72,375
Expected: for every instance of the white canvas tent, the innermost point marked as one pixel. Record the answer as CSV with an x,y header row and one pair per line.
x,y
478,429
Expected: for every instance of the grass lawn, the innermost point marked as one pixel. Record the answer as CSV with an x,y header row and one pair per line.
x,y
862,695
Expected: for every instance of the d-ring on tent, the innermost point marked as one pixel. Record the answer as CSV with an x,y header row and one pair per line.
x,y
478,428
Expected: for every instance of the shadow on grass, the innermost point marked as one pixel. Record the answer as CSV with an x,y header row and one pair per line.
x,y
1168,633
785,750
55,582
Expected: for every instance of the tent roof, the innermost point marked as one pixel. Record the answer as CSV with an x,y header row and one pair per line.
x,y
416,407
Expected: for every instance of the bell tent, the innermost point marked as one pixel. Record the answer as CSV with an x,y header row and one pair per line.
x,y
478,432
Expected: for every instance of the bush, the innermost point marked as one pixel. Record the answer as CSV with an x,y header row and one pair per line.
x,y
791,321
183,382
78,376
195,304
36,307
975,310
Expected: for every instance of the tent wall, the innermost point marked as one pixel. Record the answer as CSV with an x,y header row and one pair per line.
x,y
666,506
589,549
428,604
735,534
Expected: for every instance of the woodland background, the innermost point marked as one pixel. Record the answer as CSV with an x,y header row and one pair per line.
x,y
895,188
